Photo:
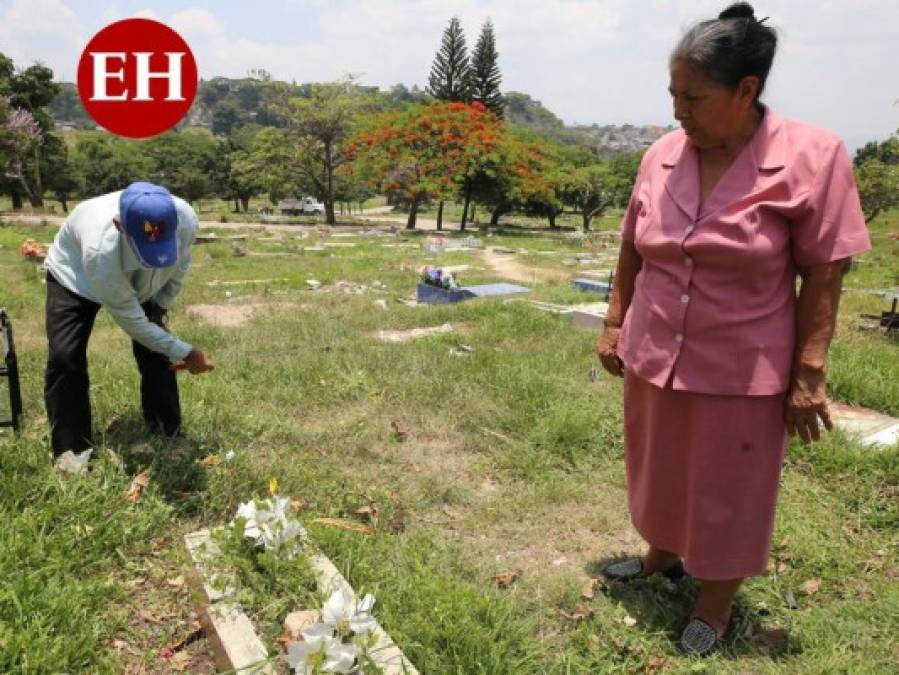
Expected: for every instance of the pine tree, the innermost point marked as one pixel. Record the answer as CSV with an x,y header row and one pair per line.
x,y
484,73
449,79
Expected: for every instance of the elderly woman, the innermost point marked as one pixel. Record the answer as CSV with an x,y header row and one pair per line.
x,y
720,355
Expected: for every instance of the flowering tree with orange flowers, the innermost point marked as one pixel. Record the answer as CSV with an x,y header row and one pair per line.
x,y
428,151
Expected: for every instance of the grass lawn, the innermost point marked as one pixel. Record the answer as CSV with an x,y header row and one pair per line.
x,y
505,459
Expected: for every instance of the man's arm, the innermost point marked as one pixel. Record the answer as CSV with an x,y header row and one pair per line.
x,y
188,224
166,295
115,293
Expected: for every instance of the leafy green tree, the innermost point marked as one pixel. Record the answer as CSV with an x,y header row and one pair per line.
x,y
877,176
624,168
67,108
401,96
234,176
549,202
108,163
886,151
278,160
225,117
449,79
311,150
591,190
63,177
184,162
878,187
484,74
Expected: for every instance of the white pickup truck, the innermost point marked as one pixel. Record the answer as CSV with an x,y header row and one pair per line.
x,y
307,206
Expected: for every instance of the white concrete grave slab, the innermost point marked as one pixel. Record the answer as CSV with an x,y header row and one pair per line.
x,y
235,644
400,336
869,426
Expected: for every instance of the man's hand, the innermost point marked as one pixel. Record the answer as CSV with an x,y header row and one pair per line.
x,y
806,402
195,362
607,349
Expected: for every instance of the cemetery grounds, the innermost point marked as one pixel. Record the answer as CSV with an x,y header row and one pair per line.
x,y
472,481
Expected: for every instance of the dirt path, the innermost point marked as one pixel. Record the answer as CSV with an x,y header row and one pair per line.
x,y
508,267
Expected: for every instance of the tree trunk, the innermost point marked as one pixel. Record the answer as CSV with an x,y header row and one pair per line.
x,y
236,205
440,215
495,216
587,217
16,199
33,199
413,213
245,202
329,174
37,194
465,208
63,200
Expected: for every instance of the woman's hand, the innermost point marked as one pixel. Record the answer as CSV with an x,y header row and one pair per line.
x,y
816,317
806,402
607,349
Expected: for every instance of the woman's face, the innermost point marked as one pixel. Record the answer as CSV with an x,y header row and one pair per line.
x,y
711,114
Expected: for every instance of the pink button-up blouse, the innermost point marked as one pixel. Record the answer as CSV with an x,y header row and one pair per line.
x,y
713,309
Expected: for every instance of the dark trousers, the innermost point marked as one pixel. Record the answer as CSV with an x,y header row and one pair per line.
x,y
70,320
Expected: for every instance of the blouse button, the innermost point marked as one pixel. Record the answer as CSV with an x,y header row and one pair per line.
x,y
679,337
688,262
685,298
688,229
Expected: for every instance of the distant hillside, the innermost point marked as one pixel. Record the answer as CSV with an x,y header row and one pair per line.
x,y
606,140
223,104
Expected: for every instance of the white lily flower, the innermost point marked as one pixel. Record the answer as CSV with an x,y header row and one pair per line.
x,y
279,507
349,615
268,523
250,513
320,651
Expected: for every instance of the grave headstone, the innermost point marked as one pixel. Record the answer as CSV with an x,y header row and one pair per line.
x,y
591,285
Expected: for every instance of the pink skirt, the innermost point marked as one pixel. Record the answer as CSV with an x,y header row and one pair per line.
x,y
703,473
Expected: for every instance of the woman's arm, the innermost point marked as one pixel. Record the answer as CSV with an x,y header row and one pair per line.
x,y
816,317
629,264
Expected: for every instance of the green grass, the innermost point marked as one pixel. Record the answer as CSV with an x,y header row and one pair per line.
x,y
511,459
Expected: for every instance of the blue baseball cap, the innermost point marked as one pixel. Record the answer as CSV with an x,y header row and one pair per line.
x,y
150,223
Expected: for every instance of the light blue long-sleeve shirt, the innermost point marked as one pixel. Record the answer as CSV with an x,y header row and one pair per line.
x,y
91,258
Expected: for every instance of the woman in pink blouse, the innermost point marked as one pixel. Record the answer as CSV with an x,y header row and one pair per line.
x,y
721,357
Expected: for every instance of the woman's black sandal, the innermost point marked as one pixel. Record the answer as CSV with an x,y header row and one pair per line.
x,y
699,638
632,568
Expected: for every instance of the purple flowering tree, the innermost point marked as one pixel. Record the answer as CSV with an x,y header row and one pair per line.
x,y
20,140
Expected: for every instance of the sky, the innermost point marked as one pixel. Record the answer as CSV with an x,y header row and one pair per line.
x,y
588,61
